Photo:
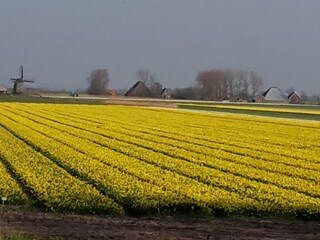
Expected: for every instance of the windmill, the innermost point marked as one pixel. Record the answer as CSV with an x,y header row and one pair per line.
x,y
18,83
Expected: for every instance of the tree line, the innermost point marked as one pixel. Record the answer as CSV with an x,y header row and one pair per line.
x,y
98,81
218,84
212,84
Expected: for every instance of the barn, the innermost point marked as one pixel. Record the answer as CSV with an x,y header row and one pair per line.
x,y
260,99
166,93
139,89
274,94
3,90
294,98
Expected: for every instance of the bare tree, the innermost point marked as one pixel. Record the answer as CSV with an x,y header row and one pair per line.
x,y
304,96
244,79
98,81
213,84
187,93
255,83
290,90
231,84
314,98
144,75
216,84
155,89
241,84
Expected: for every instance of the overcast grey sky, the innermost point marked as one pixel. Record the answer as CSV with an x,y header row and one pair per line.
x,y
60,41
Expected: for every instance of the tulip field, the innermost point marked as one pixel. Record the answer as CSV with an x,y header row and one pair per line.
x,y
109,159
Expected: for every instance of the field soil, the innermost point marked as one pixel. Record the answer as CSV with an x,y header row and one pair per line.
x,y
39,225
140,102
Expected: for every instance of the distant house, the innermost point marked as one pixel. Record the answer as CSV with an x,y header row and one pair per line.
x,y
3,90
139,89
294,98
260,99
111,92
166,93
274,94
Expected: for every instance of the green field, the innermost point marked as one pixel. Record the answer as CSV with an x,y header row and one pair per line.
x,y
56,100
266,113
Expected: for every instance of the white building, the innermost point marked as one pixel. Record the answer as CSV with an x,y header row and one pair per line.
x,y
3,90
274,94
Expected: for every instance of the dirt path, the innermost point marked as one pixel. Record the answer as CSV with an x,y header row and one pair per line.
x,y
141,102
42,225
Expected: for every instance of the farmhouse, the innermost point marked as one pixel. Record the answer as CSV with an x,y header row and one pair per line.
x,y
273,94
260,99
294,98
139,89
166,93
3,90
111,92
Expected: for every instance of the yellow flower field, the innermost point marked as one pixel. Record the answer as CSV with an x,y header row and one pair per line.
x,y
116,159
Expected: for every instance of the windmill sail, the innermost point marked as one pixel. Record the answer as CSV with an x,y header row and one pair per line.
x,y
18,83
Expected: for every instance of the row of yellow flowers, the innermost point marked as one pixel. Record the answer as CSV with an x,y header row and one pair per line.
x,y
47,184
308,155
9,188
167,157
285,176
228,147
285,181
245,154
283,132
302,157
119,174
